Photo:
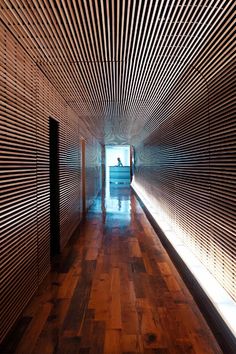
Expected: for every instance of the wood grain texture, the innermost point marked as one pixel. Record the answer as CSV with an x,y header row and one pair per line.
x,y
120,294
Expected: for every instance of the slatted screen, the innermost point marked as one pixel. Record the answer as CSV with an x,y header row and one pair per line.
x,y
27,100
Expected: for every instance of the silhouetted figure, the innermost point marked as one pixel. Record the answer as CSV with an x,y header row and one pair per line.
x,y
120,164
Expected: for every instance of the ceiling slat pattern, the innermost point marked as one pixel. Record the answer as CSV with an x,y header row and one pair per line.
x,y
115,61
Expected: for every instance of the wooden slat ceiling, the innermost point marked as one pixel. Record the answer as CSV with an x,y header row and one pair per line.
x,y
114,62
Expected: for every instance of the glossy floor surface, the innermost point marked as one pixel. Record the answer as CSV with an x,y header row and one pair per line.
x,y
113,290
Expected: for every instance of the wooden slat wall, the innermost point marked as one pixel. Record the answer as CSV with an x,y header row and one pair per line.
x,y
187,164
18,235
27,100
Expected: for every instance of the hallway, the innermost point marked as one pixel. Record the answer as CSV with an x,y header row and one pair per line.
x,y
112,290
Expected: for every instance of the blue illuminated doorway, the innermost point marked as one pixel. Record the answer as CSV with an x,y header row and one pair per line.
x,y
117,174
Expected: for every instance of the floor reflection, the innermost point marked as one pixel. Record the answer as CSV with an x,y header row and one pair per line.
x,y
114,203
117,198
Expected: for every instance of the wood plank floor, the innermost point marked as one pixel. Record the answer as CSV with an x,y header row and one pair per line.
x,y
113,290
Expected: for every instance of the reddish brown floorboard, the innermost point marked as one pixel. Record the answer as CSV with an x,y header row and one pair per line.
x,y
114,290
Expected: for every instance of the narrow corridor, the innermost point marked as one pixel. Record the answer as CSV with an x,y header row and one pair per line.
x,y
113,290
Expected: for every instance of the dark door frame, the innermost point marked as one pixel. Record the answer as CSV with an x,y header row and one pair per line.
x,y
54,187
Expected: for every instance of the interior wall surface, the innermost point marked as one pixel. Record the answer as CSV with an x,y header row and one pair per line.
x,y
187,164
27,100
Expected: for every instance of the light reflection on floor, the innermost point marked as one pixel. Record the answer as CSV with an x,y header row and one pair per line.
x,y
114,203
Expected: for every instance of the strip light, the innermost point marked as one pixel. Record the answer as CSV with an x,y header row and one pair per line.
x,y
222,301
